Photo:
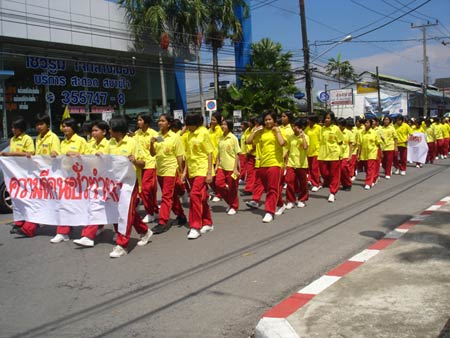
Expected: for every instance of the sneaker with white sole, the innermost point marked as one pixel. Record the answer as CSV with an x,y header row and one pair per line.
x,y
117,252
252,204
316,188
301,204
331,198
280,210
353,178
145,238
59,238
215,199
387,177
84,241
397,172
367,187
231,211
193,234
206,228
267,218
403,173
148,218
290,205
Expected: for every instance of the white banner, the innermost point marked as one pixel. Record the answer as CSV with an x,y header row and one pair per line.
x,y
72,191
417,148
340,97
389,105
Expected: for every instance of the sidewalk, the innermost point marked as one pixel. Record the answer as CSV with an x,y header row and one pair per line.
x,y
399,287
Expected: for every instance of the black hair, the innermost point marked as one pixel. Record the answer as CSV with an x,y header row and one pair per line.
x,y
350,122
400,118
194,119
168,118
218,117
229,125
332,116
301,123
145,117
313,118
102,125
43,118
87,126
70,122
176,124
342,122
118,124
19,123
272,114
289,115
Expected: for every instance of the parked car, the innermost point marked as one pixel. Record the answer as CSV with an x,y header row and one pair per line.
x,y
5,200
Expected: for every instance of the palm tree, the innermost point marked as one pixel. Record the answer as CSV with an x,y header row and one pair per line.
x,y
340,70
221,24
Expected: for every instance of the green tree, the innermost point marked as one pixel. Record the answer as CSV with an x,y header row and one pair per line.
x,y
340,70
268,82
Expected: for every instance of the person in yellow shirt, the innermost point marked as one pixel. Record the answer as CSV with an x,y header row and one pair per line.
x,y
388,146
431,141
347,146
215,133
446,131
403,131
356,136
20,145
250,159
87,131
72,145
368,153
169,152
149,187
123,145
297,166
227,167
270,140
47,144
442,152
199,171
313,131
100,146
331,139
243,153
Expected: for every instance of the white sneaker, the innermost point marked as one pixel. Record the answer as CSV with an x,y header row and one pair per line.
x,y
145,238
285,186
231,211
387,177
403,173
397,171
84,241
267,218
117,252
301,204
148,218
280,210
215,199
315,189
417,166
290,205
367,187
437,158
353,178
252,204
331,198
193,234
206,228
59,238
241,182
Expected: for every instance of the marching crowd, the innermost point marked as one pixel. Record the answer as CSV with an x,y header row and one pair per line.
x,y
297,155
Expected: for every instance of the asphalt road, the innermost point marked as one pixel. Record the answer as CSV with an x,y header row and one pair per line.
x,y
216,286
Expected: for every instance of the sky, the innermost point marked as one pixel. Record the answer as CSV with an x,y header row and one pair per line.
x,y
396,48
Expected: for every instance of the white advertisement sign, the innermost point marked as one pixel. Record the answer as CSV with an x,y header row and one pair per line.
x,y
417,148
74,191
339,97
178,114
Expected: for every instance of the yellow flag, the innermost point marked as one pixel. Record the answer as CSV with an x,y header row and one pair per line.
x,y
66,115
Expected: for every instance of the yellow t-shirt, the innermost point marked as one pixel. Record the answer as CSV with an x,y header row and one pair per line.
x,y
370,141
48,143
330,139
348,139
445,130
245,148
403,132
271,153
143,137
438,132
429,131
389,136
228,151
198,146
102,147
215,134
298,156
167,153
314,139
76,144
357,136
21,144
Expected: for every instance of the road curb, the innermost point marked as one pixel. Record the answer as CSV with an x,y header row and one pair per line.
x,y
274,324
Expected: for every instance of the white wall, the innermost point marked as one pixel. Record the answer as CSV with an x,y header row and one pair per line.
x,y
90,23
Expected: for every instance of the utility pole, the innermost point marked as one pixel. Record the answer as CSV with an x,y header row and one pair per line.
x,y
378,92
306,66
425,64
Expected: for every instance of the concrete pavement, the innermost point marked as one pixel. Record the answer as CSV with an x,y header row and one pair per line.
x,y
398,287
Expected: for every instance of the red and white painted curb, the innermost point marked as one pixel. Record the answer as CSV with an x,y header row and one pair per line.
x,y
274,324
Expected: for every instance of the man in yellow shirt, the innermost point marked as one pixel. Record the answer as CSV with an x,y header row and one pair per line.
x,y
123,145
403,131
148,183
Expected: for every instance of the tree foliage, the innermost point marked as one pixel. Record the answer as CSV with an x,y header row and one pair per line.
x,y
268,82
340,70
